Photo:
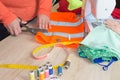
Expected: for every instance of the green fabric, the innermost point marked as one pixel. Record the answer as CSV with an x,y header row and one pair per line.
x,y
101,43
97,55
74,4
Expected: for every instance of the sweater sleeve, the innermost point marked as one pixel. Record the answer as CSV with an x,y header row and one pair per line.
x,y
6,17
45,7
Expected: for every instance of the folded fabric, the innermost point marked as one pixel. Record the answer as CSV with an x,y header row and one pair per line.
x,y
116,13
63,7
97,55
74,4
101,45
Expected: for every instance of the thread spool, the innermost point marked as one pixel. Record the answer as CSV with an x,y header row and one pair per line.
x,y
42,75
60,71
50,70
38,71
32,75
46,72
48,64
67,64
54,78
44,66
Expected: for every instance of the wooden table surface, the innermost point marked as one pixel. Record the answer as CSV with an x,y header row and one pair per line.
x,y
17,50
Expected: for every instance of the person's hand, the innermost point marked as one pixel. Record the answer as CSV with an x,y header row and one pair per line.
x,y
43,21
114,25
14,27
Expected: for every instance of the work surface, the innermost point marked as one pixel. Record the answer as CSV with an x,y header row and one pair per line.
x,y
17,50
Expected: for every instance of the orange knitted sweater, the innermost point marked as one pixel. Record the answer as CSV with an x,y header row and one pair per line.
x,y
25,9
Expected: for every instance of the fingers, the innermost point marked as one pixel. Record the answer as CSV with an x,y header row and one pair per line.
x,y
49,25
43,22
14,30
109,21
17,30
24,22
10,30
40,24
113,25
45,25
14,27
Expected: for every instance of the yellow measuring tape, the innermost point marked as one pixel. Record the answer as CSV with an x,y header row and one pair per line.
x,y
24,67
51,45
32,67
19,66
47,46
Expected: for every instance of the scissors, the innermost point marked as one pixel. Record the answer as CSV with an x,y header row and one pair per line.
x,y
26,28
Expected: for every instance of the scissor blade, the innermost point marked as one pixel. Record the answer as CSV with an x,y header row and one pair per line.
x,y
34,30
41,30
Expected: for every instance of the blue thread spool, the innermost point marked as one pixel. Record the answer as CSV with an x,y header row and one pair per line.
x,y
50,70
60,71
